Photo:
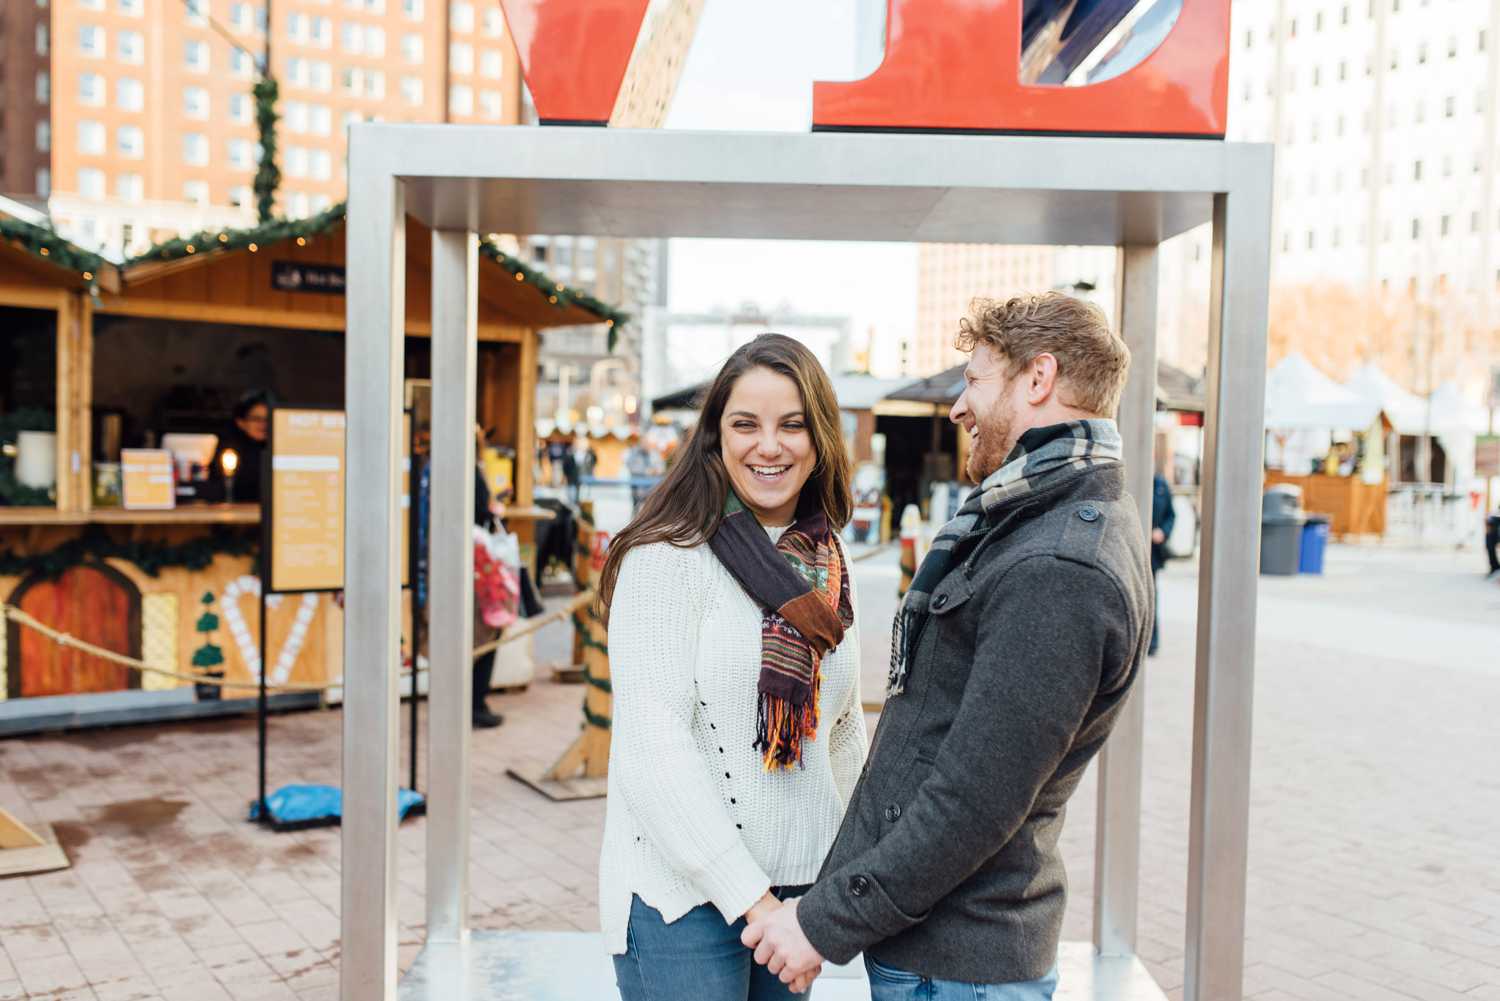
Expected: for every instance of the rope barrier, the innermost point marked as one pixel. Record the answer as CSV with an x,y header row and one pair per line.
x,y
62,639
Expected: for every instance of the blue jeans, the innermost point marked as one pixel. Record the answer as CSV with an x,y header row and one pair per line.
x,y
887,984
695,958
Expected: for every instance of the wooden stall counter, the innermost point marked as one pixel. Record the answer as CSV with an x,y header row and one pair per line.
x,y
194,514
1354,506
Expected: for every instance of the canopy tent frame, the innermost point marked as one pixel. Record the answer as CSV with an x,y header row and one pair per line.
x,y
465,180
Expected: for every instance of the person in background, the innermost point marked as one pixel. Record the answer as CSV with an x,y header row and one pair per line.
x,y
1163,520
572,472
487,511
246,436
1492,543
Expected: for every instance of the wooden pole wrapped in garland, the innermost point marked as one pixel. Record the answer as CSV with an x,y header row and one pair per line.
x,y
267,175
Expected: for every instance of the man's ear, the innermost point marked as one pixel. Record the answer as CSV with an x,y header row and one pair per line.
x,y
1042,379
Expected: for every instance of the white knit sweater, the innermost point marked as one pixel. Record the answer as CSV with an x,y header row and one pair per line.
x,y
692,814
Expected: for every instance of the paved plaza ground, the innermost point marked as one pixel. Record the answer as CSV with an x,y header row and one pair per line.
x,y
1374,856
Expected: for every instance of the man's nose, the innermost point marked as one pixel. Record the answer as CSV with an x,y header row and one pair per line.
x,y
959,411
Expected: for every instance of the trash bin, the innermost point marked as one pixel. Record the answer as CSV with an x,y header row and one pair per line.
x,y
1281,523
1314,544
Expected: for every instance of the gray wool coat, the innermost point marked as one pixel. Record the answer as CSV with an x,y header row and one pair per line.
x,y
947,863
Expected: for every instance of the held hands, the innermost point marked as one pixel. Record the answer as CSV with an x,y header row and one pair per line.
x,y
780,946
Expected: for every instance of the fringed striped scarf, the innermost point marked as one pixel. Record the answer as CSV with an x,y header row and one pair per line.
x,y
1039,455
803,586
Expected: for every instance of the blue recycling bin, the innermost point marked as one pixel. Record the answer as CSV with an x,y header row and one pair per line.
x,y
1314,544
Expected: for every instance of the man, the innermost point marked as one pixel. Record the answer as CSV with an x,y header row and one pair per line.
x,y
246,437
1163,520
1012,656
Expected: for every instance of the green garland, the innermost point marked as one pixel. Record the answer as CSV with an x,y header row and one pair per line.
x,y
277,230
267,175
46,244
95,545
13,492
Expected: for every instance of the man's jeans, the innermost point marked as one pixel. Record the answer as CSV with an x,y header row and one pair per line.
x,y
696,957
887,984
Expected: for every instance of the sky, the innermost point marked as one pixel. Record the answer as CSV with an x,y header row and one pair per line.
x,y
751,68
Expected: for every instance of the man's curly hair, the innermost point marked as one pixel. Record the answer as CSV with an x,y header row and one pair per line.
x,y
1092,360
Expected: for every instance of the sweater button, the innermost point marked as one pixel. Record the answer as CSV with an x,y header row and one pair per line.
x,y
859,885
940,601
893,812
1088,513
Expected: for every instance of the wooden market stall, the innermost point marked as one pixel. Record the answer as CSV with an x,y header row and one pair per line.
x,y
166,346
1353,506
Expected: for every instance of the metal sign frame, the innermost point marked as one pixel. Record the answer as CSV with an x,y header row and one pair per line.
x,y
463,180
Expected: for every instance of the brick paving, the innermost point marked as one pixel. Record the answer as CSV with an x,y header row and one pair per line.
x,y
1375,871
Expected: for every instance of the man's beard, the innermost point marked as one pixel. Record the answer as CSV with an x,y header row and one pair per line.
x,y
991,448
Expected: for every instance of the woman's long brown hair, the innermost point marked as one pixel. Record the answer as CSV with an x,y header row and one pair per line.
x,y
686,507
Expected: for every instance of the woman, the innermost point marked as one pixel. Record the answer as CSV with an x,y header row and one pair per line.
x,y
246,437
738,732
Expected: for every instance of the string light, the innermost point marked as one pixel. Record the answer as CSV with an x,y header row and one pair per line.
x,y
88,276
520,276
192,249
301,241
253,248
223,237
46,252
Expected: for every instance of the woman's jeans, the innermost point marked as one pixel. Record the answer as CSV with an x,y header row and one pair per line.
x,y
695,958
887,984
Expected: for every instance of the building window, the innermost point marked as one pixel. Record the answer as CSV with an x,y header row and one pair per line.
x,y
296,116
240,63
195,192
1416,170
461,99
131,46
492,65
322,164
195,148
412,9
42,40
1416,229
489,104
44,137
411,89
130,94
195,102
131,142
322,120
44,182
91,41
296,161
411,48
375,41
297,205
1444,224
352,79
197,12
132,8
1421,53
240,108
375,84
352,37
322,32
494,22
91,89
460,58
241,197
461,17
43,87
91,183
1449,107
196,54
1452,47
131,188
296,28
91,138
322,76
241,153
242,16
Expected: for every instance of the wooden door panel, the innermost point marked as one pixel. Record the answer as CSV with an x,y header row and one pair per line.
x,y
98,606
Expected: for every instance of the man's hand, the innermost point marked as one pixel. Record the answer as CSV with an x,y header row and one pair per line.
x,y
781,947
1158,536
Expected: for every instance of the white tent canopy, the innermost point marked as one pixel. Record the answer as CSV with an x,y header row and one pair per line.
x,y
1406,410
1300,397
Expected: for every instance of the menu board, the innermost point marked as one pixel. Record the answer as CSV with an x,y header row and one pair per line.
x,y
307,500
146,479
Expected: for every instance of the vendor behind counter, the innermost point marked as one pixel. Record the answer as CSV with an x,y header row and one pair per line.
x,y
246,436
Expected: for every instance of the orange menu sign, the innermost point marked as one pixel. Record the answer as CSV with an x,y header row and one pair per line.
x,y
307,500
146,479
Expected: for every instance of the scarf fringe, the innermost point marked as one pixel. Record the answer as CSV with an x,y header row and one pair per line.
x,y
781,726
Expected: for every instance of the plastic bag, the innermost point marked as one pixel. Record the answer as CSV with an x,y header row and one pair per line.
x,y
497,578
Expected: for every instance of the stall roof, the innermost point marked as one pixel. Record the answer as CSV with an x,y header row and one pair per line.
x,y
532,298
39,251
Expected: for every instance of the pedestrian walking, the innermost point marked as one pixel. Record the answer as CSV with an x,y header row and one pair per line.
x,y
1163,520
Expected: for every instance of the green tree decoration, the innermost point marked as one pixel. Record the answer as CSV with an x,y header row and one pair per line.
x,y
267,175
208,658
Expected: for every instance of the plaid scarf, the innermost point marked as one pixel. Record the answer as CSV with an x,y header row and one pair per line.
x,y
803,586
1042,454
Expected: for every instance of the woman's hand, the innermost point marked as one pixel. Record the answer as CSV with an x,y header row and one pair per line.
x,y
765,905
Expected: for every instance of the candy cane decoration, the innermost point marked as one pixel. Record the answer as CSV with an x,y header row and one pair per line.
x,y
248,647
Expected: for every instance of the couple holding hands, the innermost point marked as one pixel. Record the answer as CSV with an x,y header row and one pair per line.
x,y
753,832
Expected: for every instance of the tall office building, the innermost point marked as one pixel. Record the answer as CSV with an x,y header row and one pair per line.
x,y
133,120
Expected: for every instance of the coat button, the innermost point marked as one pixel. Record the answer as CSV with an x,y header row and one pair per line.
x,y
1088,513
859,885
893,812
940,601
